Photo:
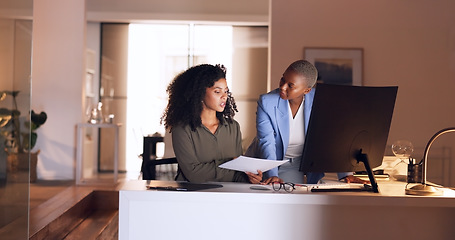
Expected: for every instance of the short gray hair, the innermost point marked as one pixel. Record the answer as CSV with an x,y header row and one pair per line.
x,y
305,68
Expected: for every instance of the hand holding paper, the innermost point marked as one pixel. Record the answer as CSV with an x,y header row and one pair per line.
x,y
249,164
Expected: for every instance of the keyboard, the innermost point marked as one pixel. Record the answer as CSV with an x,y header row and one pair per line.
x,y
335,187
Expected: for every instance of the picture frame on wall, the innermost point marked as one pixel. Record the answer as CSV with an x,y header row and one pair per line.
x,y
342,66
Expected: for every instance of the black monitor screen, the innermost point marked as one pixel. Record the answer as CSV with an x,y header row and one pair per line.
x,y
344,120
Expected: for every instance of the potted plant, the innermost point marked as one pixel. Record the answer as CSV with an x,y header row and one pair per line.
x,y
18,141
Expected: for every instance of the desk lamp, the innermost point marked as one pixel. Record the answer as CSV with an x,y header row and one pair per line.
x,y
424,189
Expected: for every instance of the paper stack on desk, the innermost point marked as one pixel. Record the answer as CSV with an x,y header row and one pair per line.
x,y
249,164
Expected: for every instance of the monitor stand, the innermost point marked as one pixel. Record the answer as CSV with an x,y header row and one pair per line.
x,y
362,157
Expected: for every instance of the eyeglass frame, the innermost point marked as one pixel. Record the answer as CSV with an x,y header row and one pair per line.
x,y
283,185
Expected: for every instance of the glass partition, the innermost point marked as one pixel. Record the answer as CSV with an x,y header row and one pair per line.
x,y
15,87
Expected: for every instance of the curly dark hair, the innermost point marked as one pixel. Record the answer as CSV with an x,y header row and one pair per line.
x,y
186,93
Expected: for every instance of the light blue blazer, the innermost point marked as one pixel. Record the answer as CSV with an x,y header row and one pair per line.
x,y
272,125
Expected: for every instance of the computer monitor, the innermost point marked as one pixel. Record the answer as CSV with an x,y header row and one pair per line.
x,y
348,129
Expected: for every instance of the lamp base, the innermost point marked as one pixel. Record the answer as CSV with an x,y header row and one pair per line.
x,y
423,190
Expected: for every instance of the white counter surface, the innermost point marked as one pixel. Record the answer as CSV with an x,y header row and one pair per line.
x,y
237,212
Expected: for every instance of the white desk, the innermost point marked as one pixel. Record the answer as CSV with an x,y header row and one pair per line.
x,y
237,212
79,166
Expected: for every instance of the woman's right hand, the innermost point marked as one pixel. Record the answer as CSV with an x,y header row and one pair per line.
x,y
272,180
255,178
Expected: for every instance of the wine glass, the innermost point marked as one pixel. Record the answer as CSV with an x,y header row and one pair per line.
x,y
402,149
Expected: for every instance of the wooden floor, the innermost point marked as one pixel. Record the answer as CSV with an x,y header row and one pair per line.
x,y
49,197
43,190
17,196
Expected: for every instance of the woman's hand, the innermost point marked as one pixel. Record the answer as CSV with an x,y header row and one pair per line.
x,y
353,179
255,178
272,180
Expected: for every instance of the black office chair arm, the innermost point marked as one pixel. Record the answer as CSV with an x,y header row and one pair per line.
x,y
148,167
161,161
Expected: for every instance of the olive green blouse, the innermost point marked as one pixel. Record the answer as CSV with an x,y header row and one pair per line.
x,y
199,153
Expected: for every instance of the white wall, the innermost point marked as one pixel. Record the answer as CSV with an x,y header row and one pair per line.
x,y
58,65
406,43
238,11
16,9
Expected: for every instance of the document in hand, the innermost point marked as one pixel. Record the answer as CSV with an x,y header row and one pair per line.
x,y
248,164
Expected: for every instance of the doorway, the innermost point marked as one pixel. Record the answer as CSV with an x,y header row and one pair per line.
x,y
135,89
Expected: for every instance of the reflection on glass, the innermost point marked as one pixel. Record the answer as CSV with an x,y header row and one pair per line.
x,y
15,36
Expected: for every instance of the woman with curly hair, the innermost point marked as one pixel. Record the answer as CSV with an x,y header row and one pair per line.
x,y
200,115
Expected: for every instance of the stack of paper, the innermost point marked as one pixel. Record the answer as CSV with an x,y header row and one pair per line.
x,y
249,164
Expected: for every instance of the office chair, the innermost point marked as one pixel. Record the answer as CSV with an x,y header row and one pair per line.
x,y
150,161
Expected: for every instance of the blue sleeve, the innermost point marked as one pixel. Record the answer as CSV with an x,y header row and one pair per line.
x,y
344,174
271,173
265,132
265,137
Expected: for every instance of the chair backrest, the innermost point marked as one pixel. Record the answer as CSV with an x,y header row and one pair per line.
x,y
159,169
154,168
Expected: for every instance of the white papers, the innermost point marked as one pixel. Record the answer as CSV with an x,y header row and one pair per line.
x,y
248,164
